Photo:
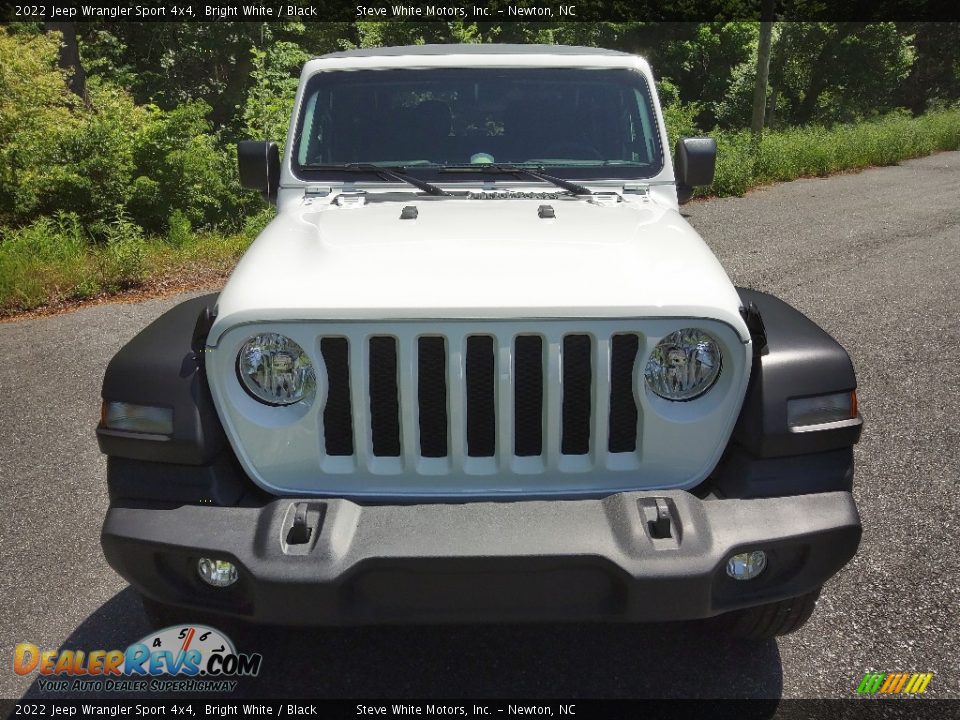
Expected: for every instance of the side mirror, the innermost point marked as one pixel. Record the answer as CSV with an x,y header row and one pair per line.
x,y
693,165
259,163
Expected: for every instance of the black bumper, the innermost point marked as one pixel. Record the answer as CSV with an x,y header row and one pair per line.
x,y
474,562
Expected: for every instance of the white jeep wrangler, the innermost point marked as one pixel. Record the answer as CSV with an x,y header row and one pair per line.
x,y
479,368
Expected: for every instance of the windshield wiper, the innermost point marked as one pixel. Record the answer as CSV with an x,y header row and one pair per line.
x,y
534,172
393,173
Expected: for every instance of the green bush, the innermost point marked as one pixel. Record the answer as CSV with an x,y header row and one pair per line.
x,y
735,161
255,224
178,166
58,152
679,117
122,259
54,260
179,229
37,117
48,258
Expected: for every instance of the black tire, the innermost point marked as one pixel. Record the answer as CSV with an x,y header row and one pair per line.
x,y
765,622
160,615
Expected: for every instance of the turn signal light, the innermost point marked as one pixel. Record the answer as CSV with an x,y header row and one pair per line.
x,y
810,413
129,417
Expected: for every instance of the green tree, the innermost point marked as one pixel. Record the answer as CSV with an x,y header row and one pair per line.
x,y
38,117
269,103
179,166
834,72
935,75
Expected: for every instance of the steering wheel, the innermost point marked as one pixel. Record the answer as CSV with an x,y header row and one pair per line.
x,y
573,150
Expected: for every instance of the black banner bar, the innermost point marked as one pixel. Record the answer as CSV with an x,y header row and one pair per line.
x,y
479,11
185,707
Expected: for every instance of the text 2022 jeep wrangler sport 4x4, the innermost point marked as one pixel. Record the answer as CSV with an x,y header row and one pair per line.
x,y
479,368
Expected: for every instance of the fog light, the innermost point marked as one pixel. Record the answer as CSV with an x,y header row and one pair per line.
x,y
218,573
746,566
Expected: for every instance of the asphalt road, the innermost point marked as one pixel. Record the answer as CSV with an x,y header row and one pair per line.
x,y
873,257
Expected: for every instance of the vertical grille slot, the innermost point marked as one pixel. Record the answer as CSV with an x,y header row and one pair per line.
x,y
384,397
337,413
575,438
623,406
528,396
481,410
432,396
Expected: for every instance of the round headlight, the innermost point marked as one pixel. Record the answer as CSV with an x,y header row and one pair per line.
x,y
683,365
275,370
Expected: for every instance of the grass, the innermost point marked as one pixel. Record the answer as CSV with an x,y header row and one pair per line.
x,y
53,261
818,151
57,260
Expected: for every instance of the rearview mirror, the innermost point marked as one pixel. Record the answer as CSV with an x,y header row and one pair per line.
x,y
259,163
694,165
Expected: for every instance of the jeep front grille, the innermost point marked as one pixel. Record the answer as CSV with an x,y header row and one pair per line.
x,y
478,408
479,402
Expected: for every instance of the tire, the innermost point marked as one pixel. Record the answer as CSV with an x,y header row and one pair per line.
x,y
765,622
160,615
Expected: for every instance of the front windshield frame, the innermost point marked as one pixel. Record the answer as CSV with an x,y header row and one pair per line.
x,y
577,170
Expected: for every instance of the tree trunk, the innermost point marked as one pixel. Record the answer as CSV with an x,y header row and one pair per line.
x,y
778,61
237,85
69,58
763,67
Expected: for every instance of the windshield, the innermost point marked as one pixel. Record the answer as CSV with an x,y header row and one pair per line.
x,y
579,123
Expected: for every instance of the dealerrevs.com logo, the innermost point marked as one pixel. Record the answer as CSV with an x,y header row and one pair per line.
x,y
184,658
898,683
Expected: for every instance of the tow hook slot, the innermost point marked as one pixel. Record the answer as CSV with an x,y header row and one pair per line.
x,y
299,532
660,524
302,525
661,521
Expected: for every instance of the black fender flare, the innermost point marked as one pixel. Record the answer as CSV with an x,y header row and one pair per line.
x,y
793,357
800,360
163,366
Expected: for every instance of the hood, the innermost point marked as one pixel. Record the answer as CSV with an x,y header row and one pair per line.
x,y
471,258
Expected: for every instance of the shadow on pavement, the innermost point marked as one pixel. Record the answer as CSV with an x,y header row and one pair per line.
x,y
679,660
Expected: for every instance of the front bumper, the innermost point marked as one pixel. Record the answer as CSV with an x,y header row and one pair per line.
x,y
475,562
